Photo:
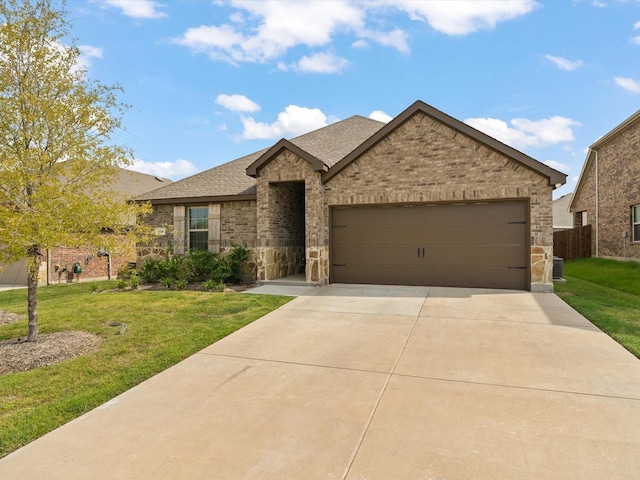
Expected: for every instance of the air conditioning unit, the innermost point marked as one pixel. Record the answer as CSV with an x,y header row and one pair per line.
x,y
558,268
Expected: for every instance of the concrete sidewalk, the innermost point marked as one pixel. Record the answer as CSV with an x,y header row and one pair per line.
x,y
367,382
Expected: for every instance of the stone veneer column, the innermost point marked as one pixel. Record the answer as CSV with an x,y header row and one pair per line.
x,y
317,269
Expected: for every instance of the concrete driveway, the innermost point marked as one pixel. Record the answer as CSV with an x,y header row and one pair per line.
x,y
368,382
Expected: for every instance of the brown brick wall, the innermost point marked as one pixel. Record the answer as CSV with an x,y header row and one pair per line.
x,y
619,180
287,167
93,266
425,161
238,223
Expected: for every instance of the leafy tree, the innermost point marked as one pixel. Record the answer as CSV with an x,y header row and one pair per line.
x,y
57,157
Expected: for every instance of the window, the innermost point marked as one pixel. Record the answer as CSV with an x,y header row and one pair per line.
x,y
635,222
198,228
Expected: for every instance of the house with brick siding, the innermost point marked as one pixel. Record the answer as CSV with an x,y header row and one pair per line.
x,y
422,200
57,263
607,195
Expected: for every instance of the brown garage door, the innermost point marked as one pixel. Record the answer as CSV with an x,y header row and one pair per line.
x,y
461,245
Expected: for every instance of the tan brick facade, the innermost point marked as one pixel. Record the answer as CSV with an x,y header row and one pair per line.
x,y
425,161
237,225
289,178
618,173
423,157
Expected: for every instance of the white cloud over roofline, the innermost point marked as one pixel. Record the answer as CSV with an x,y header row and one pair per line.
x,y
174,170
380,116
562,167
523,133
291,122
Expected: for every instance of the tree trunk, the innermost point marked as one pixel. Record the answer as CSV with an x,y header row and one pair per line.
x,y
32,290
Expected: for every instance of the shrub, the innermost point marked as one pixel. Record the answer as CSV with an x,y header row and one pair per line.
x,y
201,265
128,276
237,257
212,286
196,266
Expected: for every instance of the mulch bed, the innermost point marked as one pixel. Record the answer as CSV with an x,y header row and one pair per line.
x,y
18,355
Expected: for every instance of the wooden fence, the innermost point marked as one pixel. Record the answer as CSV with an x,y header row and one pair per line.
x,y
572,243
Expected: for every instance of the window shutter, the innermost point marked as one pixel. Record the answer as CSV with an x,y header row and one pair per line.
x,y
178,229
214,228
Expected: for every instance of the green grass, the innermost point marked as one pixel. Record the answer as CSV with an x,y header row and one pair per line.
x,y
607,292
163,327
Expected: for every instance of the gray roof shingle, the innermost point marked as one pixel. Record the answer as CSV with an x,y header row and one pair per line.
x,y
329,144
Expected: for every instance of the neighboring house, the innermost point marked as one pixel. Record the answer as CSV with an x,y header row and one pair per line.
x,y
608,192
422,200
57,264
562,217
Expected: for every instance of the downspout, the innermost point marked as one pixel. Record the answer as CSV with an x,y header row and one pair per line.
x,y
597,209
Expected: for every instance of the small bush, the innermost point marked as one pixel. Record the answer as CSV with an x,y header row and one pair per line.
x,y
237,257
196,266
213,286
128,277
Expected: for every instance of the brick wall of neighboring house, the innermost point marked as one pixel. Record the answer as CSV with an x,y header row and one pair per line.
x,y
93,267
277,254
618,187
425,161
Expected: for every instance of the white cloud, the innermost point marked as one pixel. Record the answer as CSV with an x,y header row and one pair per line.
x,y
635,40
525,133
558,166
277,27
380,116
265,31
87,52
564,64
137,8
237,103
174,170
322,63
295,120
636,25
629,84
360,44
463,16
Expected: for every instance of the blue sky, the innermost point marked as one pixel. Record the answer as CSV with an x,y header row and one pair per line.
x,y
210,81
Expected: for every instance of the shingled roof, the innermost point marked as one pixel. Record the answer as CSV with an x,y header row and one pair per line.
x,y
231,182
134,184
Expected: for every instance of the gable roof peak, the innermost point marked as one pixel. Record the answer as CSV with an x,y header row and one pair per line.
x,y
555,177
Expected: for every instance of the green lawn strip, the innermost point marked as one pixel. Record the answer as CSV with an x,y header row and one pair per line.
x,y
615,312
163,327
623,276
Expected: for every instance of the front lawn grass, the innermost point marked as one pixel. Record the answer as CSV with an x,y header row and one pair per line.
x,y
163,327
607,292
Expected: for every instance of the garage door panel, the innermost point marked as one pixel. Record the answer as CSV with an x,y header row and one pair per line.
x,y
473,244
